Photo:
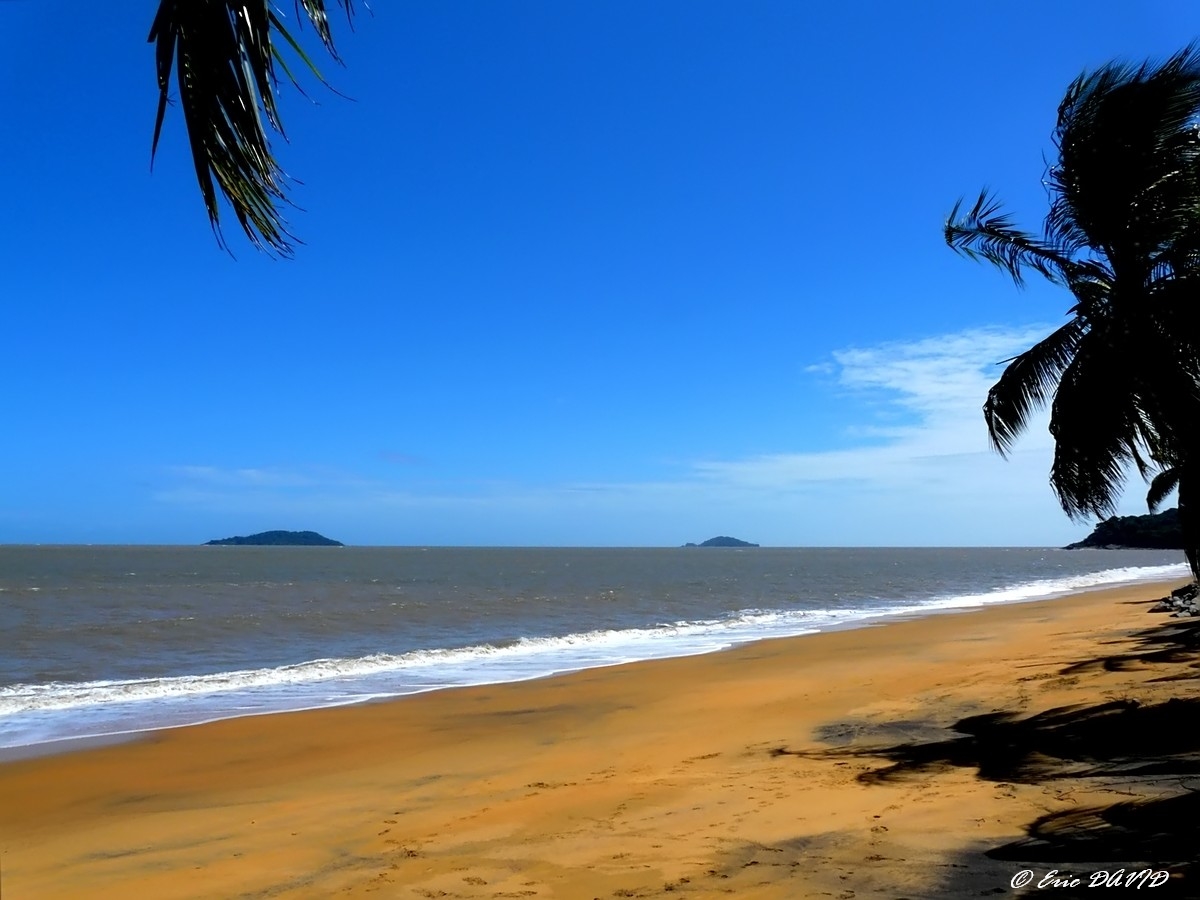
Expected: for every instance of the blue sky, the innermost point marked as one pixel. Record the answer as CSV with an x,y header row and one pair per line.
x,y
579,273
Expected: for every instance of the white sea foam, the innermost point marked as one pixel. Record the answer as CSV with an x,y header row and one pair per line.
x,y
34,713
1055,587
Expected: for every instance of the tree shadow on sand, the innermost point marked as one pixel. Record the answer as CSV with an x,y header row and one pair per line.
x,y
1175,643
1134,835
1146,751
1122,738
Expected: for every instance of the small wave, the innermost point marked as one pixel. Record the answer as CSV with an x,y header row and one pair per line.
x,y
508,662
103,705
1054,587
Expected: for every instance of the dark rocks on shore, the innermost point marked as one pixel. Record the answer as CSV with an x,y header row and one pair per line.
x,y
1183,603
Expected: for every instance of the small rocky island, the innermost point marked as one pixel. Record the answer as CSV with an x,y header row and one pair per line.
x,y
722,541
1155,532
277,539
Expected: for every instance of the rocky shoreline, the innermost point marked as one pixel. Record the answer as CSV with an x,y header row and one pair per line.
x,y
1184,602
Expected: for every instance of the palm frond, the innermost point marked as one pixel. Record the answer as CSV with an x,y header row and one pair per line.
x,y
1098,430
1189,521
1161,487
1179,258
1061,224
223,54
1123,235
317,15
1027,384
985,233
1127,173
1092,284
1165,379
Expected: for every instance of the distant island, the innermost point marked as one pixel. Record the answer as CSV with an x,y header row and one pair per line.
x,y
1153,532
277,539
722,541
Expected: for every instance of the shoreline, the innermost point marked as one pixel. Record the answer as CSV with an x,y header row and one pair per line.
x,y
772,769
67,743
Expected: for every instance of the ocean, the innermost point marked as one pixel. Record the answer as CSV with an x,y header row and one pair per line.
x,y
105,640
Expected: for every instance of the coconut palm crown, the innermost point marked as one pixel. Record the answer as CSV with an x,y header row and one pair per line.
x,y
1122,376
224,54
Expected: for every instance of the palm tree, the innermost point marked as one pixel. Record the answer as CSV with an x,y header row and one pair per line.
x,y
224,54
1122,376
1180,478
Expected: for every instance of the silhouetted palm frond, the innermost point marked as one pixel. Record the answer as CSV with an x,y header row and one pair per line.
x,y
984,232
1028,383
1123,236
223,54
1161,487
1098,431
1127,178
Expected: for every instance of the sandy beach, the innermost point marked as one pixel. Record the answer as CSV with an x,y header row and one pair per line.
x,y
934,757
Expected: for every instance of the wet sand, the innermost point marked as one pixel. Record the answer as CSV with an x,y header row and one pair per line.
x,y
883,761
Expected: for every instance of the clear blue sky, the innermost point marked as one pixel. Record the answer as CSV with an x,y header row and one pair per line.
x,y
584,273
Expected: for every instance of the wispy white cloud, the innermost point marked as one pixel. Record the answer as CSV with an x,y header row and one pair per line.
x,y
915,469
931,479
935,386
242,477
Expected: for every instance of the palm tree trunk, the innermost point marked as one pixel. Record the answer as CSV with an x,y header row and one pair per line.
x,y
1189,522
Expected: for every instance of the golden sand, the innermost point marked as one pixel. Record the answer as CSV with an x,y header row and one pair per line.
x,y
818,766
